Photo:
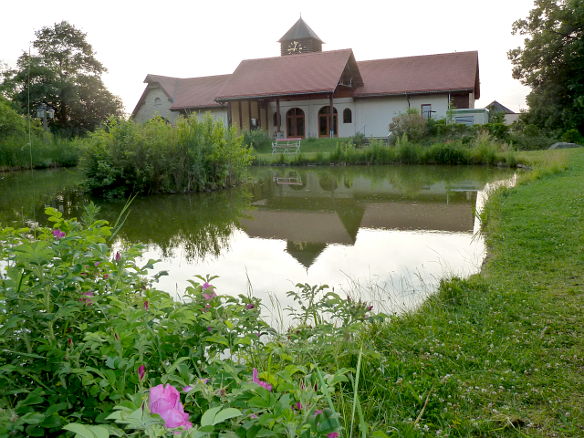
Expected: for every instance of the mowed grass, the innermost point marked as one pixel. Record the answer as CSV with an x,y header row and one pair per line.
x,y
502,353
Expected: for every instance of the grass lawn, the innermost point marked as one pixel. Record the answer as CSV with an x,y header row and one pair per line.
x,y
502,353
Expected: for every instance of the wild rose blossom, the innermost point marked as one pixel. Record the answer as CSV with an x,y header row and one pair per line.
x,y
165,401
58,234
141,372
86,298
209,295
257,381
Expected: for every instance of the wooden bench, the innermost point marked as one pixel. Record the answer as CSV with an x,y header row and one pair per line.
x,y
286,145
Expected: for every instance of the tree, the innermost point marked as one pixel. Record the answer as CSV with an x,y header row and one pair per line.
x,y
65,74
552,63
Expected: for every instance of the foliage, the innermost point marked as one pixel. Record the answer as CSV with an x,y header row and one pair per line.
x,y
64,74
258,139
411,124
125,157
20,150
552,63
84,335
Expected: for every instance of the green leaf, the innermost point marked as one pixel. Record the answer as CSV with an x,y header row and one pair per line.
x,y
226,414
209,416
216,339
85,431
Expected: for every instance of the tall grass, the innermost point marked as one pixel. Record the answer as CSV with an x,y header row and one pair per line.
x,y
193,156
43,151
483,149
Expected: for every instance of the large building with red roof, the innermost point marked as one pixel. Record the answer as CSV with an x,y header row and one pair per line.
x,y
292,95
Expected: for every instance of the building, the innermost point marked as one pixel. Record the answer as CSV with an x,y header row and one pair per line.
x,y
509,116
308,92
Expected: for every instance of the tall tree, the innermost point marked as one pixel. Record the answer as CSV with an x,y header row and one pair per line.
x,y
63,73
552,63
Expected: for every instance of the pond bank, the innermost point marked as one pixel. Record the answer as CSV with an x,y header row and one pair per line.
x,y
499,354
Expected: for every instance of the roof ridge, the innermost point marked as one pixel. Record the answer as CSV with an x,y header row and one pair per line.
x,y
420,56
297,55
180,79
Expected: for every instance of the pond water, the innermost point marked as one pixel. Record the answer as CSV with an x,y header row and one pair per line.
x,y
384,234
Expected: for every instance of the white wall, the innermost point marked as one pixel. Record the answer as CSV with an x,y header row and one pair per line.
x,y
375,114
219,114
150,108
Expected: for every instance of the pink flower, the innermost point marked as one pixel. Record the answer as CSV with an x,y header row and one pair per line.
x,y
332,435
297,405
187,388
146,305
209,296
249,306
165,401
141,372
86,298
257,381
58,234
206,286
118,256
96,264
318,412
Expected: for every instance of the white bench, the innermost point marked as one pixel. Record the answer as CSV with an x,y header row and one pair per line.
x,y
285,145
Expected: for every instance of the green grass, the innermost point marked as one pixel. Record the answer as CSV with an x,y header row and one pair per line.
x,y
500,354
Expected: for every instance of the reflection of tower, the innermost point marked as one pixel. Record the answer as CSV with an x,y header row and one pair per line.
x,y
305,252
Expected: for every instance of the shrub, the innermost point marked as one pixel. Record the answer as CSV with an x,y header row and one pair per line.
x,y
89,345
411,124
573,136
125,157
259,140
447,153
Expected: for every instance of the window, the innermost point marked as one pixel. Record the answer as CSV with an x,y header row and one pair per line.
x,y
426,111
347,116
157,101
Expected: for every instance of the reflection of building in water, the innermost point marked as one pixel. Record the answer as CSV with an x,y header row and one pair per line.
x,y
322,208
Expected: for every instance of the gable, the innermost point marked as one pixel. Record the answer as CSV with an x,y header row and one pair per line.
x,y
307,73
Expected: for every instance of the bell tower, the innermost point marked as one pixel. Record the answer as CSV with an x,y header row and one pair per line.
x,y
300,38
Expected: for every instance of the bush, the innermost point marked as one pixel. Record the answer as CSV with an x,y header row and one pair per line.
x,y
125,157
87,344
447,153
573,136
259,140
411,124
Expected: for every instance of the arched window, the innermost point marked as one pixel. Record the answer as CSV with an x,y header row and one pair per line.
x,y
347,116
295,123
157,101
324,127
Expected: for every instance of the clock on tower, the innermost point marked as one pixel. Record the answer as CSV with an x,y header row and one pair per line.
x,y
300,39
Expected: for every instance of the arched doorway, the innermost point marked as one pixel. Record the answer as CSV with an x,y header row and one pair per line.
x,y
295,123
323,122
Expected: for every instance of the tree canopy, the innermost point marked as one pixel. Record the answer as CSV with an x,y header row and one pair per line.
x,y
63,73
552,63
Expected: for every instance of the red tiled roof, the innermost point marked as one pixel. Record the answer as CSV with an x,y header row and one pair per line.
x,y
305,73
198,92
420,74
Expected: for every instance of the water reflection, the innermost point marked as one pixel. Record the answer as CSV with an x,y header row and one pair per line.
x,y
385,233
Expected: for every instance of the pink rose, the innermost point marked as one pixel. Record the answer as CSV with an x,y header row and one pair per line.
x,y
165,401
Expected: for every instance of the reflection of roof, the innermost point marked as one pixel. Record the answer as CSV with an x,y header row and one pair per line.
x,y
297,226
420,74
424,216
305,73
299,31
305,252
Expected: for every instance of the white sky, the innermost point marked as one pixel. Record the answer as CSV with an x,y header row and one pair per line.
x,y
200,38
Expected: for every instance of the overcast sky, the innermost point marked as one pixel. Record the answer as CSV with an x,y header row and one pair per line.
x,y
200,38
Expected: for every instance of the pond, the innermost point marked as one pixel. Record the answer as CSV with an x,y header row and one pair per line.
x,y
383,234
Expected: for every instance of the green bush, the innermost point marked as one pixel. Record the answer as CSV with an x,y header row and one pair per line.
x,y
573,136
411,124
21,149
447,153
86,343
259,140
125,157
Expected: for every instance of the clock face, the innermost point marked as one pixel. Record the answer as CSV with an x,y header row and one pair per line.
x,y
295,47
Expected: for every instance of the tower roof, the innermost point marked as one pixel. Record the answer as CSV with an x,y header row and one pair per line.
x,y
299,31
